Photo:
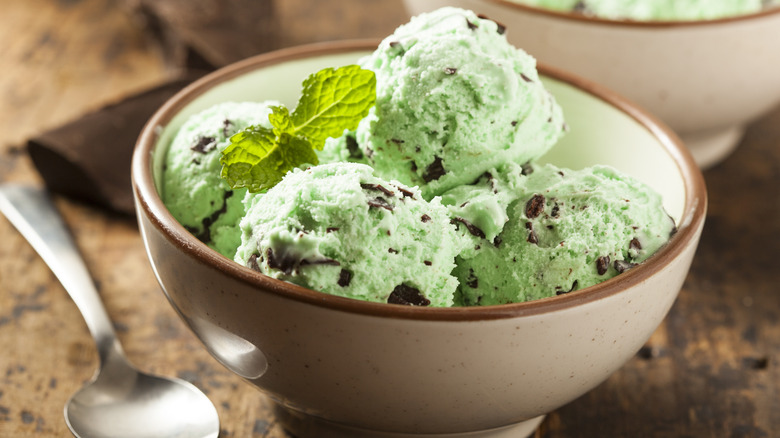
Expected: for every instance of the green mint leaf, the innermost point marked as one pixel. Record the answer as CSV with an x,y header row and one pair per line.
x,y
332,101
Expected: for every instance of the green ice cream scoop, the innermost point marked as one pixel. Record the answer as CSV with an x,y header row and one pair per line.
x,y
568,229
454,99
338,229
656,10
192,188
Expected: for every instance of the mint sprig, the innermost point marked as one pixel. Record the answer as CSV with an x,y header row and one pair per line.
x,y
332,101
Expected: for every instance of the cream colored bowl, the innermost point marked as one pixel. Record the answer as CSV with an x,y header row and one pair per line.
x,y
706,79
346,368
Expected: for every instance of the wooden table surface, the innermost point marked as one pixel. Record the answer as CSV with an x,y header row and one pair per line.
x,y
711,369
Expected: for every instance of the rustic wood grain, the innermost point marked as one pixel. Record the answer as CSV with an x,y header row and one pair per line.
x,y
710,370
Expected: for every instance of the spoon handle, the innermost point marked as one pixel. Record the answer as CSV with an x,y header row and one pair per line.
x,y
31,211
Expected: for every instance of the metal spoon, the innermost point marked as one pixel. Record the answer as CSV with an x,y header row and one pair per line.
x,y
119,401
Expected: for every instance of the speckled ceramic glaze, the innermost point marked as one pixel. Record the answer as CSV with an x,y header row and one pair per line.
x,y
706,79
345,368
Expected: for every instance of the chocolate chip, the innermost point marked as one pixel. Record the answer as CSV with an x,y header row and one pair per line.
x,y
580,7
497,241
205,235
471,25
377,187
425,218
622,266
285,264
353,148
331,229
635,244
527,168
414,166
226,127
472,281
397,141
514,122
323,261
450,70
500,28
532,238
555,210
473,229
392,250
203,145
252,263
535,206
525,78
559,290
407,295
345,277
602,265
434,171
394,44
428,262
380,202
406,193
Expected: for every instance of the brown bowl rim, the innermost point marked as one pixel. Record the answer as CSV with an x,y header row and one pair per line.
x,y
654,24
149,203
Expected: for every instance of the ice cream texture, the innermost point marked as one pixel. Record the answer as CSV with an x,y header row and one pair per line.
x,y
338,229
454,99
192,188
568,229
656,10
436,199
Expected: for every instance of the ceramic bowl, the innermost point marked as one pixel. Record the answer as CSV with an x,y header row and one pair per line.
x,y
705,79
347,368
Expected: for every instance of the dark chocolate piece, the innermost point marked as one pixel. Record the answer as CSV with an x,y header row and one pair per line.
x,y
622,266
331,229
501,29
203,145
397,141
559,290
205,235
527,168
602,265
535,206
408,296
427,262
635,244
497,241
252,263
227,125
471,25
392,250
434,171
345,277
406,193
380,202
525,78
425,218
450,70
473,229
472,281
377,187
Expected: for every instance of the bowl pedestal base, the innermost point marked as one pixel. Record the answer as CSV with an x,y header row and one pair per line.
x,y
711,147
302,425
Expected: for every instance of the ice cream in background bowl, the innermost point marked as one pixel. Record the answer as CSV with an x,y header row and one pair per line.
x,y
704,68
345,367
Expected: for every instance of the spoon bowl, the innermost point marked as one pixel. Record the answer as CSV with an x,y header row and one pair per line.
x,y
120,401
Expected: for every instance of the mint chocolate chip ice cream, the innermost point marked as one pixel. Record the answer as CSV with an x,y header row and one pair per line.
x,y
568,229
192,188
454,99
656,10
338,229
